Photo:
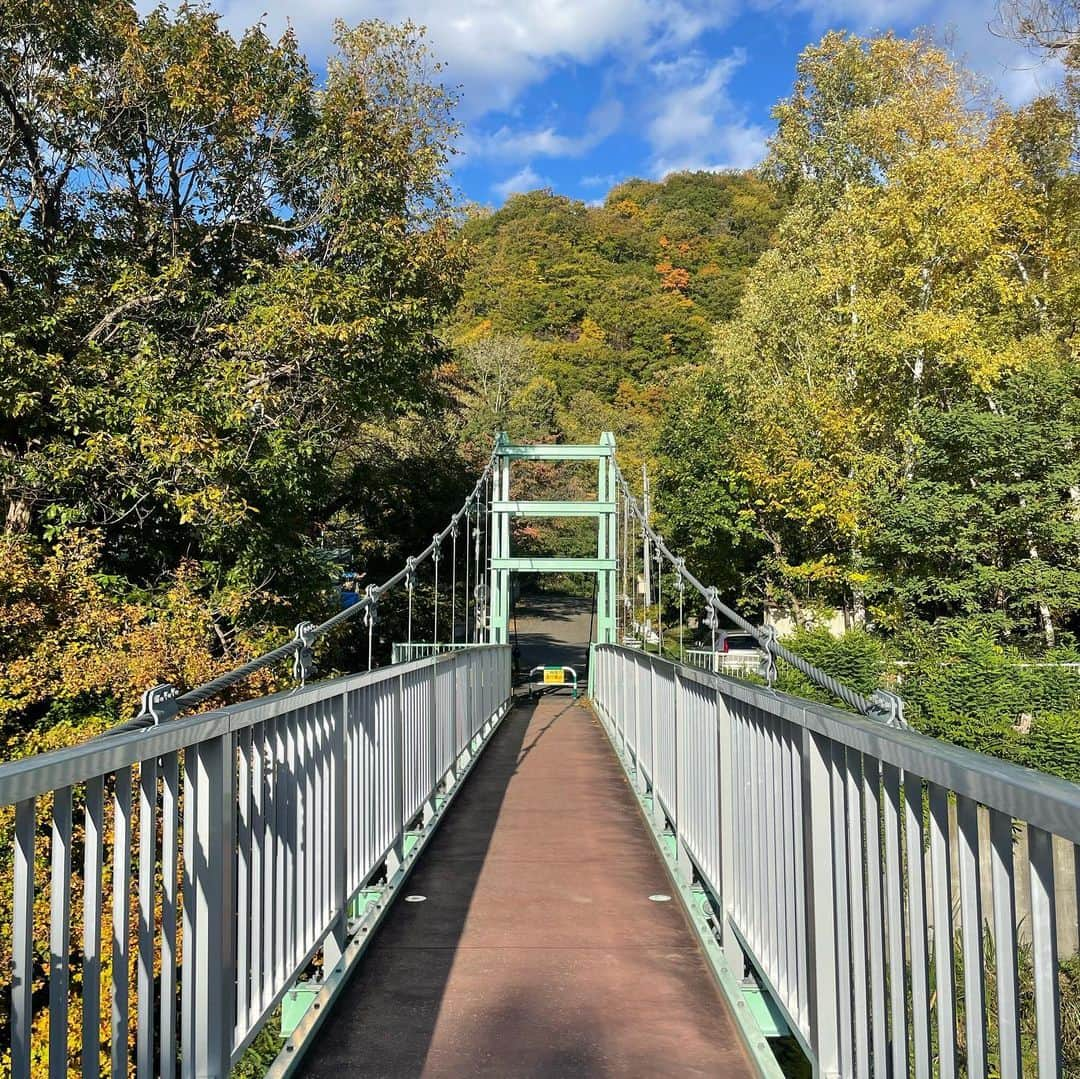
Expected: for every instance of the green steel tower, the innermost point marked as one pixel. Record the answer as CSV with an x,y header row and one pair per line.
x,y
603,509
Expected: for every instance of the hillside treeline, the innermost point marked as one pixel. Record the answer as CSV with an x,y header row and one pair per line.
x,y
871,418
889,426
894,409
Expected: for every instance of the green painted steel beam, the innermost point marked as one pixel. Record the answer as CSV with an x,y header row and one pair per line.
x,y
554,565
765,1012
554,509
556,452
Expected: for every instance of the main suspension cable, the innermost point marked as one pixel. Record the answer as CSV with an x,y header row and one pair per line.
x,y
880,705
163,702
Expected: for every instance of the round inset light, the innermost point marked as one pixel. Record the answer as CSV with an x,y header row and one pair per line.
x,y
415,898
660,898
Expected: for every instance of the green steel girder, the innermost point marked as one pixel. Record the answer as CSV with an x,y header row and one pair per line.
x,y
557,453
553,509
554,565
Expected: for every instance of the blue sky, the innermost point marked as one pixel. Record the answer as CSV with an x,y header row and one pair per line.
x,y
577,95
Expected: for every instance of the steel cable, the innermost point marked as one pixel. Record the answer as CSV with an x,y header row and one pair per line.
x,y
186,702
855,700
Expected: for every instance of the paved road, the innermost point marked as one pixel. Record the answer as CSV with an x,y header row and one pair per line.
x,y
553,630
537,952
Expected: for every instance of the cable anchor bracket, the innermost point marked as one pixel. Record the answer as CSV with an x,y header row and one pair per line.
x,y
680,569
712,616
371,612
888,707
303,666
159,704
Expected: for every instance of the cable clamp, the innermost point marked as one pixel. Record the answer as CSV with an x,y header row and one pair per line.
x,y
680,567
712,616
371,611
303,666
766,636
410,573
159,703
436,548
889,708
454,528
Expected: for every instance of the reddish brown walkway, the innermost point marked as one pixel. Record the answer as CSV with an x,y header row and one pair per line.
x,y
537,951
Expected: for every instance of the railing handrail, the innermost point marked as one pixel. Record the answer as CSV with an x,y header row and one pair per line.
x,y
824,844
240,845
44,772
1046,801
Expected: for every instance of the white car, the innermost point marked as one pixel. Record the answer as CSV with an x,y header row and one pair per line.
x,y
737,651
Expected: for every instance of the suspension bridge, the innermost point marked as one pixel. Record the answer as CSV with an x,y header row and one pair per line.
x,y
419,869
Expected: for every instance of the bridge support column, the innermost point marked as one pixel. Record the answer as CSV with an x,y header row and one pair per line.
x,y
503,510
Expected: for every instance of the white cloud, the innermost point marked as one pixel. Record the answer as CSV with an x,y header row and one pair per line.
x,y
496,48
965,25
730,146
655,74
607,181
523,180
510,144
696,124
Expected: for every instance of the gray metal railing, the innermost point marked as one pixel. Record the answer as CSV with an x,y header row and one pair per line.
x,y
853,864
724,662
208,861
404,651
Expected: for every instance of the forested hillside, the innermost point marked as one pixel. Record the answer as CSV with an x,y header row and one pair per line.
x,y
855,375
889,426
253,344
895,404
573,317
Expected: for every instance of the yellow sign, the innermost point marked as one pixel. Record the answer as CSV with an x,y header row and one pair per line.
x,y
553,675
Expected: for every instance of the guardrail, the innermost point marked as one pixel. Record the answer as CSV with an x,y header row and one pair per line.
x,y
552,678
404,652
244,837
724,662
827,842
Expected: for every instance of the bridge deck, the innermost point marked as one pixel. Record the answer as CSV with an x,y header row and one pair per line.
x,y
537,951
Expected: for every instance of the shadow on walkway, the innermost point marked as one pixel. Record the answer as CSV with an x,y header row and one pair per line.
x,y
537,951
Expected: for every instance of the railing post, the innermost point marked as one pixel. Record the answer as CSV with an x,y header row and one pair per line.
x,y
395,858
686,869
821,928
210,950
639,775
725,773
658,817
432,734
334,943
